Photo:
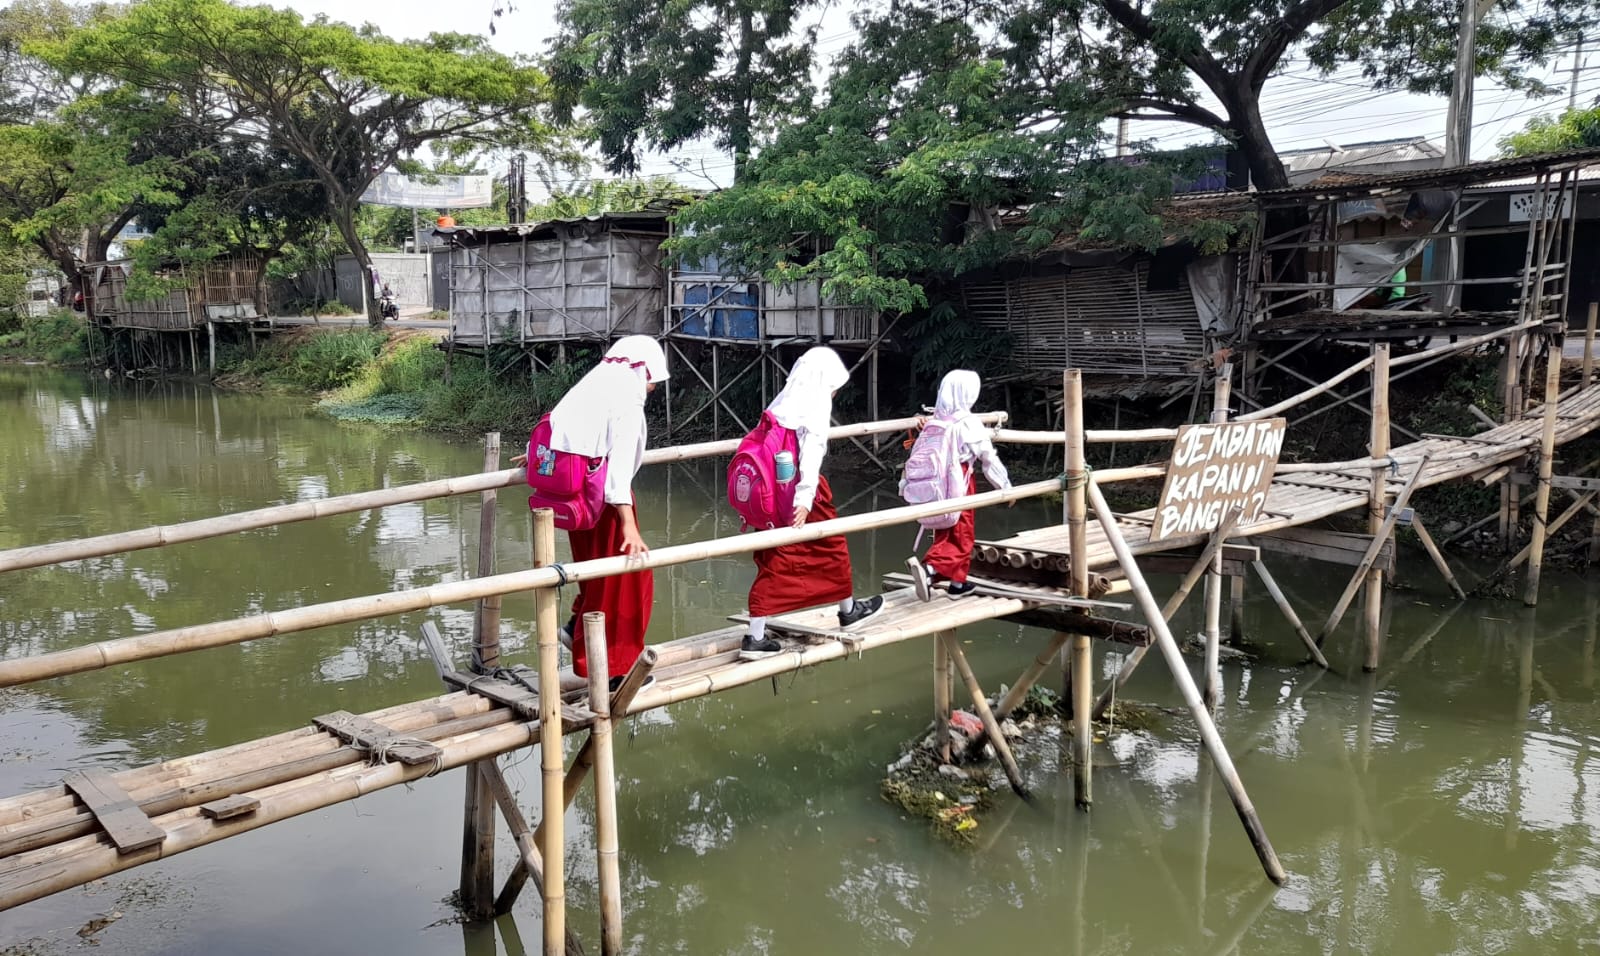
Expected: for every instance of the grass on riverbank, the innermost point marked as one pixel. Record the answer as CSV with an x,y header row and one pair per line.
x,y
59,337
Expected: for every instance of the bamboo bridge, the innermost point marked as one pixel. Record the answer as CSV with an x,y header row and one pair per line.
x,y
1065,579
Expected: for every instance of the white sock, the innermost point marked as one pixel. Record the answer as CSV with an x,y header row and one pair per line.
x,y
758,629
847,605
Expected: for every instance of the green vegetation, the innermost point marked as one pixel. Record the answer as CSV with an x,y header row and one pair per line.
x,y
59,337
314,362
1573,129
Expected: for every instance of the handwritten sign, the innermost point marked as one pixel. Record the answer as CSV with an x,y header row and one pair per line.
x,y
1214,469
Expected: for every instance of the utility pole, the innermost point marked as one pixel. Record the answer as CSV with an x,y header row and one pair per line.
x,y
1122,136
1458,135
1577,67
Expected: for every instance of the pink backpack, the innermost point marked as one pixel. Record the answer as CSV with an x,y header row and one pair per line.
x,y
573,486
754,490
934,473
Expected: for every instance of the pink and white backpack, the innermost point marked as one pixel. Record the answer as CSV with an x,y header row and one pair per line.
x,y
934,473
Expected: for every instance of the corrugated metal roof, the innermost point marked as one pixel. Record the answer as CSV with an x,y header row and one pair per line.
x,y
1394,155
652,214
1586,174
1468,176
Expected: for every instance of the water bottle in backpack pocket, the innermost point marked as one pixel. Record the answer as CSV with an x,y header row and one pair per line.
x,y
572,486
761,475
933,472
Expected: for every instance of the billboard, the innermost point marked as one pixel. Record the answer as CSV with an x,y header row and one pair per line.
x,y
449,192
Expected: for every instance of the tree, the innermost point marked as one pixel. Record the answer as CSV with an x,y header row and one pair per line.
x,y
1573,129
79,155
659,75
350,103
892,184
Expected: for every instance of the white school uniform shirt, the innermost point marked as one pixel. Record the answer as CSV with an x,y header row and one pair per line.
x,y
806,405
957,393
603,415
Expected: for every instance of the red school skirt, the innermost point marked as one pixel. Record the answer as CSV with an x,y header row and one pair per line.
x,y
625,599
951,553
808,574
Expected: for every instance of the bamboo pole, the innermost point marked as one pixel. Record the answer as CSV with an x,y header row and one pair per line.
x,y
1078,547
1588,345
941,700
1091,436
981,705
1236,608
478,827
116,651
552,819
1376,494
1363,572
1278,598
1200,566
1019,690
1547,459
59,552
605,785
1209,737
1437,557
1213,685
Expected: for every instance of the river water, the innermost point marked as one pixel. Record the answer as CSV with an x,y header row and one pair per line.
x,y
1446,804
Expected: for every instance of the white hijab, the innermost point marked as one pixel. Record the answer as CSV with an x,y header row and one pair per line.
x,y
957,393
586,421
806,401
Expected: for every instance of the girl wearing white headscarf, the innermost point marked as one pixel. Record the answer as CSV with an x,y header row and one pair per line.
x,y
603,417
797,576
950,556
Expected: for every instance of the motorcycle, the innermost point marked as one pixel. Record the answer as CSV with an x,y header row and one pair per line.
x,y
388,309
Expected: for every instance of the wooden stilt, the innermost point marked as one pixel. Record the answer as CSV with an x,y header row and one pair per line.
x,y
552,820
605,785
1019,690
981,705
1200,566
1363,572
1437,556
1279,599
1209,737
1236,608
941,700
1547,456
477,842
1213,685
1588,345
1077,536
1376,496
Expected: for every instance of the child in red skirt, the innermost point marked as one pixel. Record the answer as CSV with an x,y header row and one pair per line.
x,y
950,556
603,417
796,576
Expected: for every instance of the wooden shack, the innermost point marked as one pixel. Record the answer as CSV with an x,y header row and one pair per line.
x,y
224,290
593,278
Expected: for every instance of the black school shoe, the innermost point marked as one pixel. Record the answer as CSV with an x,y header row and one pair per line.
x,y
959,590
616,682
864,608
752,650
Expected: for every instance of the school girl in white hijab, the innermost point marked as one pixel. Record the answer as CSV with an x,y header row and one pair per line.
x,y
797,576
949,558
603,417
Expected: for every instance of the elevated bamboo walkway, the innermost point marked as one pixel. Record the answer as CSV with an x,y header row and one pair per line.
x,y
96,823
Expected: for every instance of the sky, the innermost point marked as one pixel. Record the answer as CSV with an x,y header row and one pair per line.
x,y
1301,109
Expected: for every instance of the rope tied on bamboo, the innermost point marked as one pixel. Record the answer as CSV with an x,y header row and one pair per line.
x,y
1068,483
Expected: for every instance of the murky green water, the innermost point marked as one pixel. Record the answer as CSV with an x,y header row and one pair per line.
x,y
1446,804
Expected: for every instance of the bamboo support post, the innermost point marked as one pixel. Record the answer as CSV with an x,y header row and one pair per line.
x,y
478,828
981,705
1547,457
605,785
1363,572
1588,345
941,700
1437,557
1019,691
1213,684
1278,598
1209,737
1078,546
552,819
1199,568
1376,495
1236,608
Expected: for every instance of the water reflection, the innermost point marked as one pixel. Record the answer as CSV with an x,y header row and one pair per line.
x,y
1447,803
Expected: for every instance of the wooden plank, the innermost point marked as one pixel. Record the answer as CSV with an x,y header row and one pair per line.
x,y
1332,547
229,807
520,699
383,743
121,818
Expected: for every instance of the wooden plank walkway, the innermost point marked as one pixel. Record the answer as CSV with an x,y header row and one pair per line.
x,y
51,840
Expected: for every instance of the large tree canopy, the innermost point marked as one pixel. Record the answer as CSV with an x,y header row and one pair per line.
x,y
349,103
657,75
1573,129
